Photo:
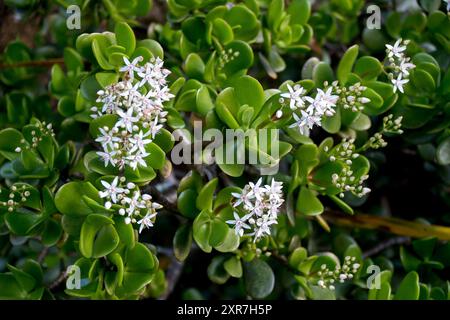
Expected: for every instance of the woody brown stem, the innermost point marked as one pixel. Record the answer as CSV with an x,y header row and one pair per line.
x,y
392,225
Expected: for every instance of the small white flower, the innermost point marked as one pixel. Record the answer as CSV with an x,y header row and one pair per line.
x,y
305,122
112,190
239,223
139,142
405,66
398,83
295,96
146,222
396,50
107,137
126,120
108,157
131,67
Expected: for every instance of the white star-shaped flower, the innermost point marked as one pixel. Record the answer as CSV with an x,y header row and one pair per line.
x,y
295,96
239,223
398,83
112,190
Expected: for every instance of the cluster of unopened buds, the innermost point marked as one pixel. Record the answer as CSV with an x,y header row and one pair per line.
x,y
16,196
128,201
328,278
345,180
399,63
137,101
350,98
311,109
256,208
227,56
42,129
391,125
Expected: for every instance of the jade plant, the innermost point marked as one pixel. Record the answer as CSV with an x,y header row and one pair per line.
x,y
267,149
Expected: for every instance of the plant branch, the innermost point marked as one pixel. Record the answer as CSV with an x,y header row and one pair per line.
x,y
61,278
396,226
386,244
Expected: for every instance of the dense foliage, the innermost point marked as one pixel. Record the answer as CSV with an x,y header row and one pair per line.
x,y
348,201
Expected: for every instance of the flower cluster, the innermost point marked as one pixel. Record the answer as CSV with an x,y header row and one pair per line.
x,y
42,129
390,126
345,180
350,98
129,202
226,57
137,101
328,278
399,63
16,196
311,109
259,207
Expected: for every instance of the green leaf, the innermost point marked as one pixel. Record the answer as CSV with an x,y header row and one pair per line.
x,y
219,231
307,156
341,204
275,14
233,266
125,37
222,30
230,243
202,230
205,197
156,158
242,61
10,288
10,139
72,60
98,236
345,66
194,66
297,256
368,67
182,242
216,271
69,198
99,55
322,72
409,287
308,203
20,223
52,233
332,124
106,78
423,81
259,278
300,11
186,203
204,101
26,281
245,84
140,267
